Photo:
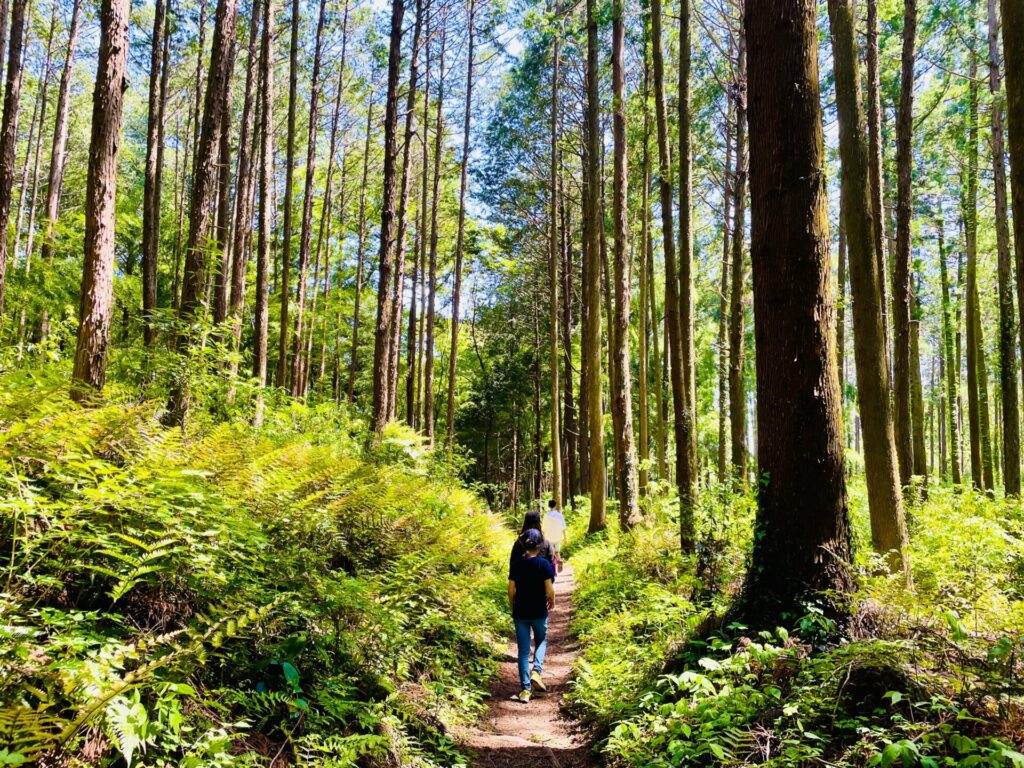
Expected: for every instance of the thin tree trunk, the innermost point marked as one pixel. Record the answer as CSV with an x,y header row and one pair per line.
x,y
101,189
435,197
904,378
951,358
622,400
289,191
841,318
916,390
1007,340
888,527
643,373
360,256
737,384
554,256
803,548
415,337
570,428
876,175
265,134
154,173
723,287
461,232
660,436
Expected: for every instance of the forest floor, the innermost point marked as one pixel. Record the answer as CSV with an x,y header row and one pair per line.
x,y
534,735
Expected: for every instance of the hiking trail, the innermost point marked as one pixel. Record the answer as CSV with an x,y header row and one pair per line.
x,y
533,735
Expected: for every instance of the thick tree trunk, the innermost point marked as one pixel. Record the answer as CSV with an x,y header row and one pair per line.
x,y
622,400
460,236
592,275
1007,340
386,267
9,141
554,257
737,386
888,527
101,189
802,546
903,374
1013,53
673,347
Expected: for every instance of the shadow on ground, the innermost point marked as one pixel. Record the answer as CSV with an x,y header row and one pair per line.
x,y
524,757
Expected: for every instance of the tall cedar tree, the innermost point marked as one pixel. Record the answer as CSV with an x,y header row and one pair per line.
x,y
737,387
950,355
435,197
9,135
622,400
265,136
554,256
888,527
902,290
151,186
592,275
100,196
1013,54
289,191
1007,342
802,546
386,267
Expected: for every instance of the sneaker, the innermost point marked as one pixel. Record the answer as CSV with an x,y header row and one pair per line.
x,y
523,696
535,678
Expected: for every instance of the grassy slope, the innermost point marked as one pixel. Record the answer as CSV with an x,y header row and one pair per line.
x,y
926,678
220,597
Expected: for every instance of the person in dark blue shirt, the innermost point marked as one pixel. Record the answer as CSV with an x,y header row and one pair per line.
x,y
531,594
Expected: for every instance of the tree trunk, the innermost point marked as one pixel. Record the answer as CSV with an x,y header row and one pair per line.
x,y
592,321
204,187
723,284
737,386
622,400
673,350
888,528
8,145
903,374
802,546
386,267
403,207
360,256
412,353
151,187
222,278
1007,340
661,439
1013,53
916,393
289,190
951,359
570,428
686,478
841,318
435,197
461,234
554,256
265,134
643,373
101,188
877,177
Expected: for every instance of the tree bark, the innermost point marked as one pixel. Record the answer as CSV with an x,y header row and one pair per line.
x,y
802,543
413,350
554,257
1013,53
289,190
100,194
888,527
622,400
435,197
151,186
643,373
1007,331
737,386
877,177
386,267
901,291
592,276
461,233
360,256
951,360
9,141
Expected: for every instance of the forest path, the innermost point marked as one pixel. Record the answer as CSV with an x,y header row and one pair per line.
x,y
533,735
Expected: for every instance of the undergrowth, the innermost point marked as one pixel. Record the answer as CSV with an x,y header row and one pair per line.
x,y
928,677
226,597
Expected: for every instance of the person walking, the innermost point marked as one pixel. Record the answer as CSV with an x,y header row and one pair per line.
x,y
531,594
531,521
556,531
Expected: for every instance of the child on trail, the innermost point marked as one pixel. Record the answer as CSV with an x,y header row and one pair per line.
x,y
531,522
531,595
556,531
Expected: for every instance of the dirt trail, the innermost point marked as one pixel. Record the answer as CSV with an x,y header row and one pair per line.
x,y
533,735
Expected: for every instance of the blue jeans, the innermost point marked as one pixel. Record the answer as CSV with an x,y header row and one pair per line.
x,y
540,639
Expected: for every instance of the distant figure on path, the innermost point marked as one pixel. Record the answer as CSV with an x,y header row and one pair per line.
x,y
556,531
531,594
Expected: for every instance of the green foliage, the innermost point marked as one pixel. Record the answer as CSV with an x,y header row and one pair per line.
x,y
218,596
924,678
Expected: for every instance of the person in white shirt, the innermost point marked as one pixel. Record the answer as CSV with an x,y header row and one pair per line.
x,y
555,530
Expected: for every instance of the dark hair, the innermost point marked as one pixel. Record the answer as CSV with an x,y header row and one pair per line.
x,y
531,520
551,504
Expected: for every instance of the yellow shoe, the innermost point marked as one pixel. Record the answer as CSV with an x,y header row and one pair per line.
x,y
523,696
535,678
